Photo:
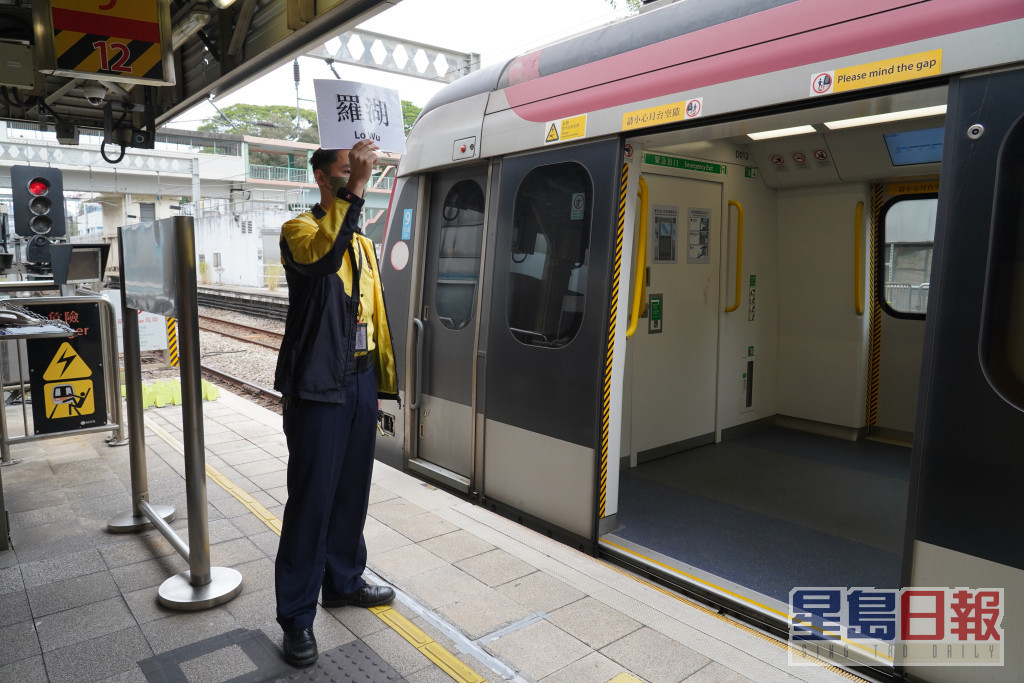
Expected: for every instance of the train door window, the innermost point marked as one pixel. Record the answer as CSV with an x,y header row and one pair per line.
x,y
905,263
550,242
458,266
1002,340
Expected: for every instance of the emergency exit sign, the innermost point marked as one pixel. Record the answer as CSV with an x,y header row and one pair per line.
x,y
670,161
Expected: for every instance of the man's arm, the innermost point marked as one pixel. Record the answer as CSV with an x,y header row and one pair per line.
x,y
317,251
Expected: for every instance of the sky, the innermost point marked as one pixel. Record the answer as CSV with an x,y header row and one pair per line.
x,y
496,29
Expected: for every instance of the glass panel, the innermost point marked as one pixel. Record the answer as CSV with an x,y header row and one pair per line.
x,y
458,262
550,243
906,271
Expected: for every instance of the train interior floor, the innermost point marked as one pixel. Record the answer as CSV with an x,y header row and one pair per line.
x,y
772,510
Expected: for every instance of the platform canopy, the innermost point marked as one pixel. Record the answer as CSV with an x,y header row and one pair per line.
x,y
129,66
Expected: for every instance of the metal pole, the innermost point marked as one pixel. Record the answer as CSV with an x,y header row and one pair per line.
x,y
5,448
134,520
192,403
119,437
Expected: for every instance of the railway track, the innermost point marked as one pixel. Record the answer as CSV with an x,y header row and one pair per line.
x,y
267,398
245,333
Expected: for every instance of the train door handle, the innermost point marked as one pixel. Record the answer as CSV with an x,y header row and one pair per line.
x,y
418,324
739,254
640,266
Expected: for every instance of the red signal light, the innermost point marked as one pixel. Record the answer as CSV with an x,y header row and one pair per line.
x,y
38,187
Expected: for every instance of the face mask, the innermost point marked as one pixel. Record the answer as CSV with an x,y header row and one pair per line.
x,y
338,182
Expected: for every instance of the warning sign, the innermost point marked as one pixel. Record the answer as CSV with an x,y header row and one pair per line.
x,y
66,377
884,72
572,128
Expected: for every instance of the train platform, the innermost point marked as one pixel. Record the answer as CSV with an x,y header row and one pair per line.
x,y
479,597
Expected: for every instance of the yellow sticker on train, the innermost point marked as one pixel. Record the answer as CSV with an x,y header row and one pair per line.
x,y
907,68
665,113
571,128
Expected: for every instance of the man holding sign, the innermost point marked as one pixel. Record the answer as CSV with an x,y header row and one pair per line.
x,y
336,363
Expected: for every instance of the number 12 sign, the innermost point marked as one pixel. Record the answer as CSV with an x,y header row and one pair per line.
x,y
122,40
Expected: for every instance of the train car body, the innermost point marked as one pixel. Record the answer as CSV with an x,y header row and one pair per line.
x,y
733,292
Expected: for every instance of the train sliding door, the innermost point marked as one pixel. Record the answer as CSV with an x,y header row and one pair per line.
x,y
447,315
966,512
547,335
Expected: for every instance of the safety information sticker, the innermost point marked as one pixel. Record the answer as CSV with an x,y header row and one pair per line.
x,y
869,75
572,128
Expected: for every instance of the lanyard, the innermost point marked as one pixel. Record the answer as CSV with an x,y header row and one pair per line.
x,y
356,275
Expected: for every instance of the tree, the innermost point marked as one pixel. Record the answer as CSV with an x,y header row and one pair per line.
x,y
409,113
632,5
275,121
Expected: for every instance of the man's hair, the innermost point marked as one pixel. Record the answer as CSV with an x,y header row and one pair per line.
x,y
322,159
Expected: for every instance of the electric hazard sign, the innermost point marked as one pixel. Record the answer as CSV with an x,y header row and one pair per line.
x,y
67,376
126,40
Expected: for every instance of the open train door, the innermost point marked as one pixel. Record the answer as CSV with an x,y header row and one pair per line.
x,y
966,512
547,335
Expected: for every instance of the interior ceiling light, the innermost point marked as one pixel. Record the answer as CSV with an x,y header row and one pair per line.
x,y
885,118
781,132
223,4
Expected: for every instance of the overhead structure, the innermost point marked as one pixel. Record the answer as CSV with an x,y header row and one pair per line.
x,y
128,67
394,55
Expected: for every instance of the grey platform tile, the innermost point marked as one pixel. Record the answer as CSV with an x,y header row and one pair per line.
x,y
96,489
255,610
495,567
477,616
402,563
421,527
443,585
429,675
263,466
257,575
716,673
29,496
249,524
378,494
540,592
209,439
222,530
593,622
145,607
240,456
131,676
360,622
98,658
64,567
19,642
30,670
457,546
381,538
267,541
71,593
268,481
49,541
235,552
147,574
224,664
654,656
14,608
594,668
252,428
10,580
539,649
30,469
398,652
134,549
30,518
186,628
75,473
8,558
82,623
279,493
397,508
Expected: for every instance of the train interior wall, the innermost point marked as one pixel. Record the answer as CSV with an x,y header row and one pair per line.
x,y
788,489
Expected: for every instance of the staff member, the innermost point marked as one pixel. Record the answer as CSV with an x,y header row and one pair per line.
x,y
336,363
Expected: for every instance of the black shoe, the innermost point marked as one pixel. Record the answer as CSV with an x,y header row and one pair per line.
x,y
300,647
367,596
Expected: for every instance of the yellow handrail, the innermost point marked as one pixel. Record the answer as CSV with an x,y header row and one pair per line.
x,y
640,264
858,259
739,254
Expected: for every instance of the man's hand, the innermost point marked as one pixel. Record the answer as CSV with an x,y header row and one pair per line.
x,y
362,157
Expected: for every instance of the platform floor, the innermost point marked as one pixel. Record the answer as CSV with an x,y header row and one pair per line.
x,y
479,597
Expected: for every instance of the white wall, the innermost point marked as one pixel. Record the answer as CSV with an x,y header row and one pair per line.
x,y
241,254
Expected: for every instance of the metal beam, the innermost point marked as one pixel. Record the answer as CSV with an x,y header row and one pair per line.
x,y
394,55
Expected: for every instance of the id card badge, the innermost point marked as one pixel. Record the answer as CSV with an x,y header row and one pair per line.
x,y
361,338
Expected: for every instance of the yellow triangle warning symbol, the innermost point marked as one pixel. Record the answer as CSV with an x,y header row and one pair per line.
x,y
66,364
552,134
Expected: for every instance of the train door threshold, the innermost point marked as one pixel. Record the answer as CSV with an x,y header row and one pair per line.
x,y
728,599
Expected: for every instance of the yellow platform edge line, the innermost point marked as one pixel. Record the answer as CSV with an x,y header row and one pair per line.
x,y
430,648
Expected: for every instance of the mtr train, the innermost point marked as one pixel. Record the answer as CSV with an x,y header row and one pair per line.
x,y
732,291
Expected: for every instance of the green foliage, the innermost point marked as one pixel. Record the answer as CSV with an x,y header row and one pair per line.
x,y
275,121
409,113
632,5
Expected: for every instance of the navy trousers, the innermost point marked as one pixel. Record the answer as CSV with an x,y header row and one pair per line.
x,y
330,460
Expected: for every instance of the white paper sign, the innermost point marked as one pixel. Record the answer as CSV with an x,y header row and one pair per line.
x,y
347,112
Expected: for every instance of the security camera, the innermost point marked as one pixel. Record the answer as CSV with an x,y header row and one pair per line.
x,y
94,94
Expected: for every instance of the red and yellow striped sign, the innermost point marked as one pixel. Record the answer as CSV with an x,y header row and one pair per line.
x,y
115,38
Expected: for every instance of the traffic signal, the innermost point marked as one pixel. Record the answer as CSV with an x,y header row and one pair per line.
x,y
38,194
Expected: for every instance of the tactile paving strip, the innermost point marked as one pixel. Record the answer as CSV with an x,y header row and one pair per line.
x,y
354,662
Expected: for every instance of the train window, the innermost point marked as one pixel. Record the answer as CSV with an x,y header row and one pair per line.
x,y
550,243
1002,338
458,266
906,260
